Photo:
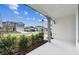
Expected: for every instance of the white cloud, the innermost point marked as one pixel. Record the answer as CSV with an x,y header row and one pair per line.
x,y
4,20
39,20
41,15
13,6
16,12
25,12
45,20
30,18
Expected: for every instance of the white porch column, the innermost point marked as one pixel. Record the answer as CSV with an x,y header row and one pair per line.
x,y
49,28
77,27
76,24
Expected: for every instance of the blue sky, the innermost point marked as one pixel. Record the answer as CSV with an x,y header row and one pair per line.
x,y
20,13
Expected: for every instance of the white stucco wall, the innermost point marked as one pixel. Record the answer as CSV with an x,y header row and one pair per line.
x,y
65,29
19,29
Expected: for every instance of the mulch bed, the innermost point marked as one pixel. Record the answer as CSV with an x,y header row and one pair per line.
x,y
30,48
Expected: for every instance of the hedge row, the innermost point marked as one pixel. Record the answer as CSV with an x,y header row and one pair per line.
x,y
11,44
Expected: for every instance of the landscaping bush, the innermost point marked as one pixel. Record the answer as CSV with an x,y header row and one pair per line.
x,y
29,38
41,35
23,42
7,44
34,40
38,37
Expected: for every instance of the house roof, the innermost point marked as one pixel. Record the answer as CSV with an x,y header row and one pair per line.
x,y
11,22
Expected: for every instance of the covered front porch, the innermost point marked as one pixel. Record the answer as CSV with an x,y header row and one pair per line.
x,y
64,29
56,47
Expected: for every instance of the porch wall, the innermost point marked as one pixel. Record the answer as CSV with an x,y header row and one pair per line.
x,y
65,29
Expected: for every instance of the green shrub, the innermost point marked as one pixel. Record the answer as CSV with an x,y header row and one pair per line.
x,y
7,44
41,35
29,38
2,48
23,42
33,39
36,38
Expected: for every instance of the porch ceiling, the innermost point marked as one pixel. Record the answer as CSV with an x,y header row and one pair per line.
x,y
55,10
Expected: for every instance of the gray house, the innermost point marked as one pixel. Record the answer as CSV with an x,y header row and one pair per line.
x,y
30,28
39,28
0,26
12,26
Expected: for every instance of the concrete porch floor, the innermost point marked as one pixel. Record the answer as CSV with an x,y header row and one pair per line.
x,y
56,47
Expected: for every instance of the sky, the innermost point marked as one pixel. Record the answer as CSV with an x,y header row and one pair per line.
x,y
20,13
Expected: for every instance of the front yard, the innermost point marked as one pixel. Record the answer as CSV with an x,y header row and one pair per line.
x,y
20,44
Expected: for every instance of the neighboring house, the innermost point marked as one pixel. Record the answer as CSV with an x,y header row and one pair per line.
x,y
0,26
36,28
13,26
30,28
39,28
20,27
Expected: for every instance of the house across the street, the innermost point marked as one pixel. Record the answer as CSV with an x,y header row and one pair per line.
x,y
12,26
30,28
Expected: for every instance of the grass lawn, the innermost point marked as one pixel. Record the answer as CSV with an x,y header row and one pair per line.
x,y
17,34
